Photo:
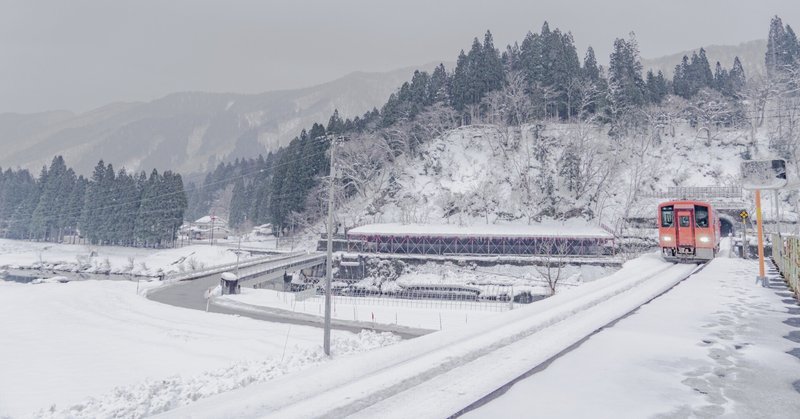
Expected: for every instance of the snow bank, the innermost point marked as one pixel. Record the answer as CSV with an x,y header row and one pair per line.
x,y
111,259
156,396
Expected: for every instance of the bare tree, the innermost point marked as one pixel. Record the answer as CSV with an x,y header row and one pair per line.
x,y
552,252
518,102
362,162
756,95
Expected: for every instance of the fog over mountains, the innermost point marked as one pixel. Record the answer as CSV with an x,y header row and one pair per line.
x,y
193,131
751,54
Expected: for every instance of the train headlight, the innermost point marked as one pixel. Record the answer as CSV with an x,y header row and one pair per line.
x,y
704,239
666,238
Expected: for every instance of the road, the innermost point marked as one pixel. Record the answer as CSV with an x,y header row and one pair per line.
x,y
191,294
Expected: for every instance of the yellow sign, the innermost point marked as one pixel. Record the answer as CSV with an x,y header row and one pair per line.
x,y
744,214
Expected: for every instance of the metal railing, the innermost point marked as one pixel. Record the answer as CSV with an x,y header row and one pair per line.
x,y
247,263
786,254
697,192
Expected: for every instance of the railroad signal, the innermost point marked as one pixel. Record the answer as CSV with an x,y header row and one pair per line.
x,y
744,214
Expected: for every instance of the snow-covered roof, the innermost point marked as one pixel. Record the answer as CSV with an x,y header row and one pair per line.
x,y
208,218
550,229
227,276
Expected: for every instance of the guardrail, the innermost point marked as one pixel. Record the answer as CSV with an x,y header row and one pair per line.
x,y
298,261
696,192
786,254
182,276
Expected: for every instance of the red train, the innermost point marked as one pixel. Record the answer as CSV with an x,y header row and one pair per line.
x,y
688,231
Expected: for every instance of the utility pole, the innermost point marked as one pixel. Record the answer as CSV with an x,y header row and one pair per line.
x,y
329,260
212,229
238,253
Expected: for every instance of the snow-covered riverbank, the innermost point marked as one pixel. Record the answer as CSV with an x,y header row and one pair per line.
x,y
110,259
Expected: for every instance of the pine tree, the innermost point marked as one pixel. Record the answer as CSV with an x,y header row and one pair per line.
x,y
491,66
625,74
146,228
736,77
783,51
590,69
531,59
335,123
438,90
705,77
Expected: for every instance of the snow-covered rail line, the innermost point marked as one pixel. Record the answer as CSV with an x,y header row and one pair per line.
x,y
421,377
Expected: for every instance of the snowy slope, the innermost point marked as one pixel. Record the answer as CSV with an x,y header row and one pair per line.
x,y
477,177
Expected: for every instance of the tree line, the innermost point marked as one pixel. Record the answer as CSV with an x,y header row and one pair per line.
x,y
110,207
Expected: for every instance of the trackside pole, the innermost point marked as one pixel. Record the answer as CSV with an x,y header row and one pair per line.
x,y
329,260
745,245
761,276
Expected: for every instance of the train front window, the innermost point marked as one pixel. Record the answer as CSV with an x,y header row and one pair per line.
x,y
666,216
701,216
684,220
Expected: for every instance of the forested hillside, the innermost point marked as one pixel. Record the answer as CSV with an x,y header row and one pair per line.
x,y
530,86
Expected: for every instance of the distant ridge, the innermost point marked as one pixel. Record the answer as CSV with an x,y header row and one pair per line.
x,y
750,53
188,131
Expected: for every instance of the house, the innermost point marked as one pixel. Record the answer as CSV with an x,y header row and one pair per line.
x,y
205,228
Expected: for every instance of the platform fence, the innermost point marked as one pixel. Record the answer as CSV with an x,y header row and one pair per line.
x,y
786,254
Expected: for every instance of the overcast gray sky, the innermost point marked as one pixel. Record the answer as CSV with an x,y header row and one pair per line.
x,y
81,54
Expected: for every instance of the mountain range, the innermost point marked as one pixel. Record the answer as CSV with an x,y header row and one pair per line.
x,y
191,132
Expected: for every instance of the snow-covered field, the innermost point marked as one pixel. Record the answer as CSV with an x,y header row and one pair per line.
x,y
713,346
96,349
111,259
421,314
426,313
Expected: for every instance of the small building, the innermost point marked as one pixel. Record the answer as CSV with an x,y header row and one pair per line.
x,y
229,283
264,230
206,228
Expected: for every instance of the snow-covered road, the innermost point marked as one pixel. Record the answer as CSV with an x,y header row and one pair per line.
x,y
712,346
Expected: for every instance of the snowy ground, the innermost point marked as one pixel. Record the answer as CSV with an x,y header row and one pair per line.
x,y
713,346
111,259
96,349
492,279
427,313
420,314
438,374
